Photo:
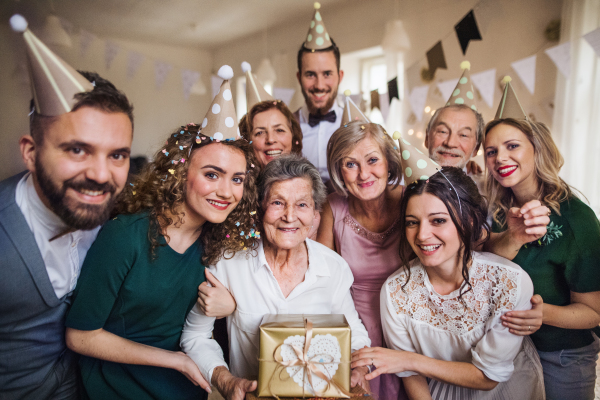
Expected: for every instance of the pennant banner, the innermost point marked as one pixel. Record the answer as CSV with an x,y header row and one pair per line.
x,y
393,121
85,40
561,55
435,58
525,68
134,62
417,99
375,99
467,30
485,82
161,70
284,94
188,79
447,87
384,104
393,89
215,84
593,38
111,49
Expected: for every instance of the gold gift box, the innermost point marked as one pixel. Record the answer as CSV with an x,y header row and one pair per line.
x,y
273,378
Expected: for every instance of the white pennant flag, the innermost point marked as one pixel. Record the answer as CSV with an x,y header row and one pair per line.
x,y
561,55
393,122
85,40
593,38
188,79
111,50
485,82
417,99
525,68
134,62
284,94
215,83
161,70
447,87
384,104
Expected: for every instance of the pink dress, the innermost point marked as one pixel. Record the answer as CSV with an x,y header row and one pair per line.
x,y
373,257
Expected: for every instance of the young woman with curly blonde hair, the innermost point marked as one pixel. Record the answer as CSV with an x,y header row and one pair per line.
x,y
187,209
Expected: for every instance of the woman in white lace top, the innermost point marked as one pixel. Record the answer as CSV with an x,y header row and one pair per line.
x,y
441,311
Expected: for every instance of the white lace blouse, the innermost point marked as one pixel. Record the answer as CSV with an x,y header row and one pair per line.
x,y
438,326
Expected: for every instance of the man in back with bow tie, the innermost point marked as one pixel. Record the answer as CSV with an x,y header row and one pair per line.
x,y
319,76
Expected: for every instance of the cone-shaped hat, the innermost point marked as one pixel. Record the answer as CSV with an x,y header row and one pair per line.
x,y
464,93
255,92
415,164
221,121
317,38
509,103
351,111
54,83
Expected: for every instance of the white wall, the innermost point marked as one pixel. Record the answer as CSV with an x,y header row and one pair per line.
x,y
157,112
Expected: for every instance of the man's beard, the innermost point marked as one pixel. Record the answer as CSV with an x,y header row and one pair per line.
x,y
461,162
73,213
323,110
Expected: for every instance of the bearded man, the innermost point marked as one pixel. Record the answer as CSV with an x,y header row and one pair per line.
x,y
77,157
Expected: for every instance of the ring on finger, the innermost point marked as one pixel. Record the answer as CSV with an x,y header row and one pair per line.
x,y
529,328
549,212
372,361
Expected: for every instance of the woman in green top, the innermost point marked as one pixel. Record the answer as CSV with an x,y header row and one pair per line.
x,y
140,278
523,163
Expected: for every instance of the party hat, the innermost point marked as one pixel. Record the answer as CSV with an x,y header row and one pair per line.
x,y
415,164
317,38
220,122
255,93
54,83
509,103
464,93
351,111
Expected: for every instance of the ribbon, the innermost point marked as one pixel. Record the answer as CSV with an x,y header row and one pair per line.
x,y
309,365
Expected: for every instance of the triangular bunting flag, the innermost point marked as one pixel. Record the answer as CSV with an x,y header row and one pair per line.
x,y
593,38
485,82
111,50
467,30
188,79
215,85
525,69
384,104
284,94
417,99
447,87
375,99
561,55
134,62
393,122
161,70
85,40
393,89
435,58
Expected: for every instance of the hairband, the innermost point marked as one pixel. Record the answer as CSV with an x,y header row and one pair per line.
x,y
457,196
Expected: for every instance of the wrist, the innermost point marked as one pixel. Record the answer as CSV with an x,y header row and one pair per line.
x,y
220,377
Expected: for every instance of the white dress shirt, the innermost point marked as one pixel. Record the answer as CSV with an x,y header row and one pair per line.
x,y
416,318
63,256
315,138
325,290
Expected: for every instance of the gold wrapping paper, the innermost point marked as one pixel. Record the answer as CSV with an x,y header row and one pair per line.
x,y
273,378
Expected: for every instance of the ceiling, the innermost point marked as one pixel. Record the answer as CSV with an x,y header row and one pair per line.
x,y
197,23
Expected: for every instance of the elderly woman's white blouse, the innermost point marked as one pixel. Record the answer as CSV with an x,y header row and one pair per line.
x,y
325,290
438,326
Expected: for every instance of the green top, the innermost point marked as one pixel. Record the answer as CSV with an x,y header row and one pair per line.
x,y
569,263
125,291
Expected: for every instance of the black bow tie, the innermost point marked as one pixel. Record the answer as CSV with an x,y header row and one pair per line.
x,y
314,120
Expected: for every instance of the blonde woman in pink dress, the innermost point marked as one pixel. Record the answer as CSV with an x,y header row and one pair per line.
x,y
359,221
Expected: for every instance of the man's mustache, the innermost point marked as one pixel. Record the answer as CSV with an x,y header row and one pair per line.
x,y
89,184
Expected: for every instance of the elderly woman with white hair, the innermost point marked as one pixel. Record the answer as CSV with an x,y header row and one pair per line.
x,y
286,274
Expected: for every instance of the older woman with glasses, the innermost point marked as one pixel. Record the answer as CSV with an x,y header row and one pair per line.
x,y
286,274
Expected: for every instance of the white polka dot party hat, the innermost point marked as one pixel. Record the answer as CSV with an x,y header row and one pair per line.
x,y
351,111
255,92
220,122
509,106
317,38
464,93
54,83
415,164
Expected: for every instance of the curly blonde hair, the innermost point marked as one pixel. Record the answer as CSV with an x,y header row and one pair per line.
x,y
160,189
552,190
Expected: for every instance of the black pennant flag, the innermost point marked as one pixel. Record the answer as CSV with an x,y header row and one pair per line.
x,y
435,58
467,30
393,89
